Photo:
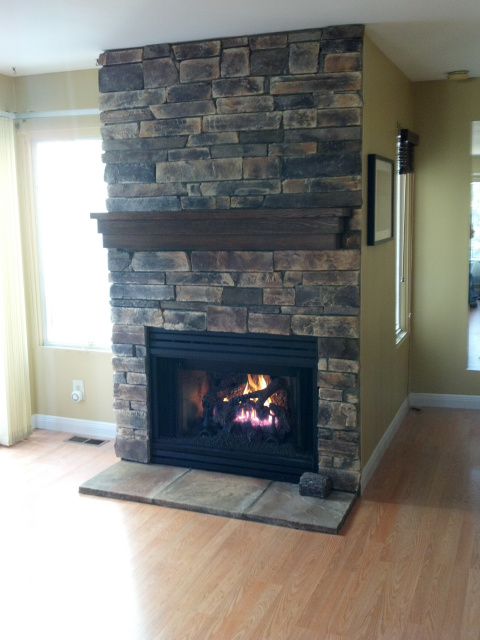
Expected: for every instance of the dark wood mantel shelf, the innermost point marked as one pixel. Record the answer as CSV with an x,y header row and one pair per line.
x,y
238,230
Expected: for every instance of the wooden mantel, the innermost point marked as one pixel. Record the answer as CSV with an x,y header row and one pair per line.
x,y
232,229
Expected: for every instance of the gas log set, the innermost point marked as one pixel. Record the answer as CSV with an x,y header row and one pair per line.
x,y
254,406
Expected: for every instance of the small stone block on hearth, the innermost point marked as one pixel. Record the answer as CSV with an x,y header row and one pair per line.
x,y
315,485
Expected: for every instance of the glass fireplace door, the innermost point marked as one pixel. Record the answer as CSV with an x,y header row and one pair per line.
x,y
234,404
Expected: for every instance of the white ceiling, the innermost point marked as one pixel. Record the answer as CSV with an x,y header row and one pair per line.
x,y
425,38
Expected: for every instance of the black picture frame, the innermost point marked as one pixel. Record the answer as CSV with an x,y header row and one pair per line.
x,y
380,199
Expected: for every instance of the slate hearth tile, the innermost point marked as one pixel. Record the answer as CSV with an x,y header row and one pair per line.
x,y
283,505
132,481
275,503
215,493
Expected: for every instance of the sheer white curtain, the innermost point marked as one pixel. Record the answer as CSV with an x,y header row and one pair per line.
x,y
15,409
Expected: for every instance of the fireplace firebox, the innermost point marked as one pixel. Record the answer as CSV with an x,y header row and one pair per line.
x,y
234,403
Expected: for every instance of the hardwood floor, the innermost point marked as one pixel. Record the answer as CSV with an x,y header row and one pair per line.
x,y
405,566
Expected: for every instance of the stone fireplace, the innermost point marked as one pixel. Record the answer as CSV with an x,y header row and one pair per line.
x,y
234,176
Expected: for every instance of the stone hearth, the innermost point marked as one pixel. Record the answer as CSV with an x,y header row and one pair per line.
x,y
257,500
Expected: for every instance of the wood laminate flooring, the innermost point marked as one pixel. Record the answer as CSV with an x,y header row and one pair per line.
x,y
406,564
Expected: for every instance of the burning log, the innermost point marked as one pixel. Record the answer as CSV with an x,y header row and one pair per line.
x,y
283,425
221,389
262,395
260,412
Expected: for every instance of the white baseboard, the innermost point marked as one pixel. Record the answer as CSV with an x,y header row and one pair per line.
x,y
448,401
369,469
93,428
90,428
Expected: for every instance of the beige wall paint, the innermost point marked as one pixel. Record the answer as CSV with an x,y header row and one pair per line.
x,y
57,91
476,164
54,369
7,94
388,100
444,112
443,115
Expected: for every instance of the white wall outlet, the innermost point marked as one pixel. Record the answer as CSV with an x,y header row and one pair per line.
x,y
78,392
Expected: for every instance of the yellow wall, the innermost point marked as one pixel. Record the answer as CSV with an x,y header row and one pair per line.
x,y
441,113
388,100
444,112
54,369
7,94
57,91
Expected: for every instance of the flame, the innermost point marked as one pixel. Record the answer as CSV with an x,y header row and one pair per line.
x,y
256,383
250,415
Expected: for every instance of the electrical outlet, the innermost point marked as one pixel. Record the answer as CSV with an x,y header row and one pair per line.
x,y
78,391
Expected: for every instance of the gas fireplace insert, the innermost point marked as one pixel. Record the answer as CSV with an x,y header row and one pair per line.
x,y
235,403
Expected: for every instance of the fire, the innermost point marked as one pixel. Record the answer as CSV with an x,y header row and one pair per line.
x,y
250,415
256,383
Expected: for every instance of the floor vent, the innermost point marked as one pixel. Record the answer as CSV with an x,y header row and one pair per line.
x,y
81,440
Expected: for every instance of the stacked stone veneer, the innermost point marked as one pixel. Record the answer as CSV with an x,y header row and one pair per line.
x,y
264,122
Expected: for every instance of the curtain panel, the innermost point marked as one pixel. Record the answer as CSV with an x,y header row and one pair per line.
x,y
15,407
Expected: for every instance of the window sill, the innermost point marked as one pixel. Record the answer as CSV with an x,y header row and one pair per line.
x,y
64,347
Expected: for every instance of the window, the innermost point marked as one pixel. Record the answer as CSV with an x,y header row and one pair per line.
x,y
69,185
475,221
403,230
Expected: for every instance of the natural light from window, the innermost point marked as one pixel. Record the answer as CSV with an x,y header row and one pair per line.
x,y
3,386
69,185
402,254
475,241
406,142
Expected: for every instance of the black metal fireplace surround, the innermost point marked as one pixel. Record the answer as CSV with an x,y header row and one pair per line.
x,y
235,403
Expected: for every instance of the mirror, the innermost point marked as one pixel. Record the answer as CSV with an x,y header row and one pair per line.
x,y
474,271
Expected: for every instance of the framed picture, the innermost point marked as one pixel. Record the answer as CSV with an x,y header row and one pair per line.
x,y
380,199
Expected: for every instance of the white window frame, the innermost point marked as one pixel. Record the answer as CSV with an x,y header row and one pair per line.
x,y
403,253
